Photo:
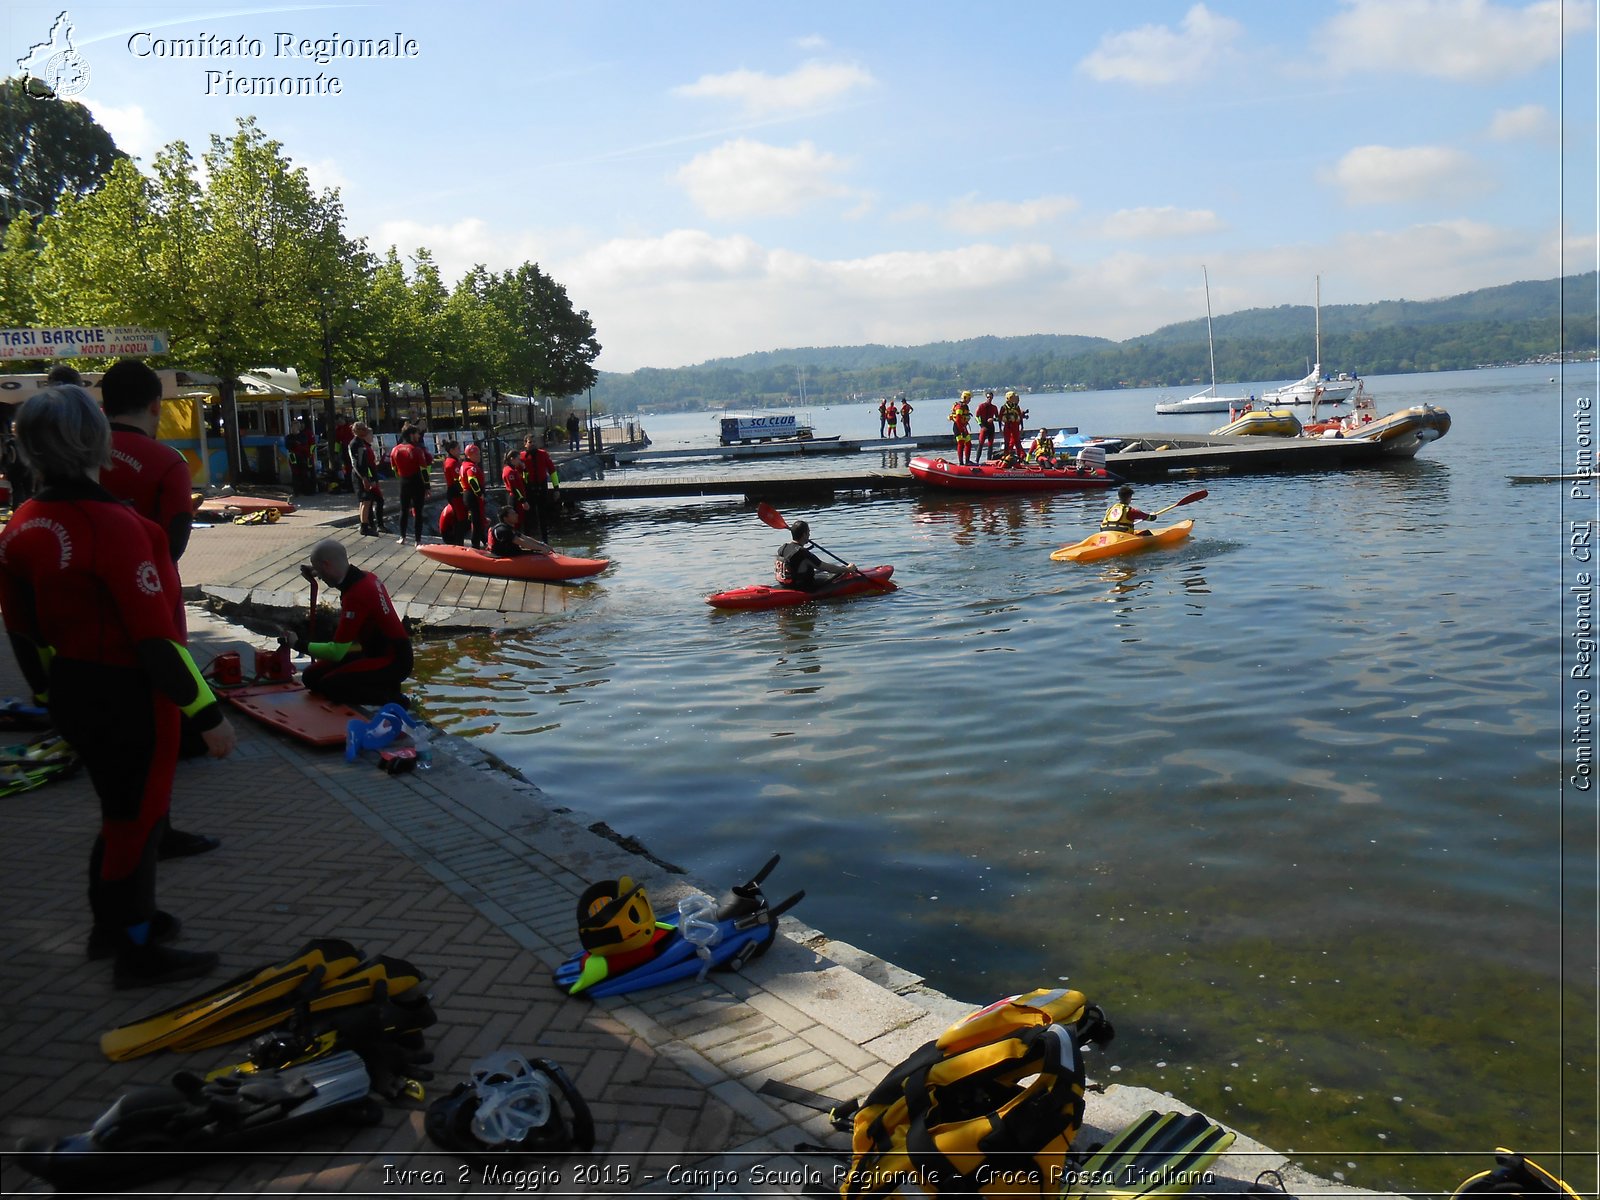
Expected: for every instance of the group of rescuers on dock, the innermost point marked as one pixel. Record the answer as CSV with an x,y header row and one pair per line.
x,y
92,602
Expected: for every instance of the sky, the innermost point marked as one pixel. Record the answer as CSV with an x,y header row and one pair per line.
x,y
709,179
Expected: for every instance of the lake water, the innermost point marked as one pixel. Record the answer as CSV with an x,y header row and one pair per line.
x,y
1286,800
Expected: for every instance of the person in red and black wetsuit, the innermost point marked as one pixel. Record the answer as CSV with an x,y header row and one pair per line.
x,y
301,444
370,654
88,592
453,516
364,478
154,478
343,434
988,414
410,460
472,495
514,479
540,476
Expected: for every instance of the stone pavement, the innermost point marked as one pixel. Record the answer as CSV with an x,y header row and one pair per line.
x,y
468,872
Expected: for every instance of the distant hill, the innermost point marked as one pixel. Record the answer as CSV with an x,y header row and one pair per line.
x,y
1512,323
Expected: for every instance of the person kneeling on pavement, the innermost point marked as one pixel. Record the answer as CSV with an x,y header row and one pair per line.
x,y
370,654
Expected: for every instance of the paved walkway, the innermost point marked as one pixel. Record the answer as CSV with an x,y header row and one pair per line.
x,y
470,874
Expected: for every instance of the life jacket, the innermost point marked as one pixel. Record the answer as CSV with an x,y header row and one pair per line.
x,y
792,567
957,1117
1118,518
1043,448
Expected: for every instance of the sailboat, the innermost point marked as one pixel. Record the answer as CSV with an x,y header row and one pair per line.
x,y
1207,401
1314,389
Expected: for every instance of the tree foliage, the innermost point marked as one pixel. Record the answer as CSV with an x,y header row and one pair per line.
x,y
48,148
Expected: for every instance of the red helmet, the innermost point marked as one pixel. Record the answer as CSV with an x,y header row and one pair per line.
x,y
473,452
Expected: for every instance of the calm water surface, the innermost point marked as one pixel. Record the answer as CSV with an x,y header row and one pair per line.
x,y
1285,800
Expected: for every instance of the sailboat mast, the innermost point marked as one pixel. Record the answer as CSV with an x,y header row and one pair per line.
x,y
1319,325
1210,344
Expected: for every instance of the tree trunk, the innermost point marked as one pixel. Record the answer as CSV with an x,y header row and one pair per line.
x,y
230,424
427,403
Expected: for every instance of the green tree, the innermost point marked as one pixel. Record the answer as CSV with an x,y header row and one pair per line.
x,y
479,339
48,148
19,257
339,281
554,347
224,268
425,328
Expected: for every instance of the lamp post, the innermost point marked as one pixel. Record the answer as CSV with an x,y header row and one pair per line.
x,y
593,449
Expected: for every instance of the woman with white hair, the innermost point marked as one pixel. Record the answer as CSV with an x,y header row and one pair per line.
x,y
89,596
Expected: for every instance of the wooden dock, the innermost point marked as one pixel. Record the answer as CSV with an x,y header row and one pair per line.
x,y
433,599
1148,456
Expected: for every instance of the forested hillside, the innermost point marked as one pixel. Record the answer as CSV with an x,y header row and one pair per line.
x,y
1512,323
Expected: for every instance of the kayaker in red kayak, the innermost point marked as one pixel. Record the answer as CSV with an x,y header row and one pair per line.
x,y
797,567
1120,516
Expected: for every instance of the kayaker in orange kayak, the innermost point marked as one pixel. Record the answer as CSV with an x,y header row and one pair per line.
x,y
797,567
1120,516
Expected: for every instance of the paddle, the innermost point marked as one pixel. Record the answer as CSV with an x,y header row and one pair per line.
x,y
774,518
1189,499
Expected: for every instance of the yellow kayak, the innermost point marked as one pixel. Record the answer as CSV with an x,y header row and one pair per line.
x,y
1108,542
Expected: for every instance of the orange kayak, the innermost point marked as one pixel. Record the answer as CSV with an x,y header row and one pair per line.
x,y
1107,543
531,565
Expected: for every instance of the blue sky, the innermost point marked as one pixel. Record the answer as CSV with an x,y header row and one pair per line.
x,y
714,178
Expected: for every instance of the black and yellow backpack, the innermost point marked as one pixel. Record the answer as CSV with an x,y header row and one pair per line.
x,y
989,1107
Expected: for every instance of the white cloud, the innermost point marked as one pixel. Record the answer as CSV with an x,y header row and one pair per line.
x,y
807,86
1385,174
1159,54
458,247
745,178
1138,224
1452,39
812,41
971,215
1531,122
129,126
687,296
325,173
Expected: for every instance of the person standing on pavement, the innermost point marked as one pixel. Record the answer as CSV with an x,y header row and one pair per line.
x,y
89,595
905,413
574,426
154,478
364,478
410,460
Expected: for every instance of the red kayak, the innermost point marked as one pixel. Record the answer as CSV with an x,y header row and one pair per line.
x,y
763,595
992,477
544,567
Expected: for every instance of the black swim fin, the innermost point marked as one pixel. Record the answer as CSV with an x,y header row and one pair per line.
x,y
1158,1154
153,1131
324,958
